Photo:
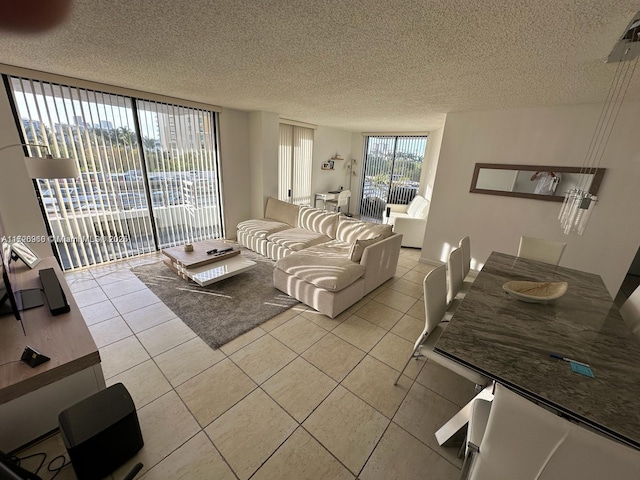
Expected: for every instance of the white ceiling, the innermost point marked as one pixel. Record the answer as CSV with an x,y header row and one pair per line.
x,y
367,65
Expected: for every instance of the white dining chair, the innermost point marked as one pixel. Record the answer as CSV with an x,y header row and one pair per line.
x,y
341,201
465,245
476,428
541,249
435,304
518,439
525,441
630,311
455,276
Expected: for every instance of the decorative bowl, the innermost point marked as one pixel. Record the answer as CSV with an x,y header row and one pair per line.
x,y
535,292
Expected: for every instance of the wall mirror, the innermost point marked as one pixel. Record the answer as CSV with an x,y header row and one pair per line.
x,y
541,182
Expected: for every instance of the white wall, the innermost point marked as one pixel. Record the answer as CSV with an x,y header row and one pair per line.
x,y
430,165
537,136
328,142
263,158
235,167
19,209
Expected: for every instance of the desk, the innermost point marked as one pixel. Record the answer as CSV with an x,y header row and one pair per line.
x,y
324,196
509,341
31,398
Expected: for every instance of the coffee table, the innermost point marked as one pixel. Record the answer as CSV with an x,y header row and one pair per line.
x,y
204,268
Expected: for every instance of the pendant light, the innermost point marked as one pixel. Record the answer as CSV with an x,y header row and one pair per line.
x,y
579,202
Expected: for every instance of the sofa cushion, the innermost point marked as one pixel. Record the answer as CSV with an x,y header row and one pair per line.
x,y
261,227
282,211
357,249
350,230
330,273
332,248
319,221
297,238
418,208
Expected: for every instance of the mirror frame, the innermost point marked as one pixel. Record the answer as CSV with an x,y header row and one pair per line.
x,y
598,174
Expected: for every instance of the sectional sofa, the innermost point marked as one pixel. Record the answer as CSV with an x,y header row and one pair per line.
x,y
325,260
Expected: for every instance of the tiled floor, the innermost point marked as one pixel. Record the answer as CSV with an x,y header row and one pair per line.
x,y
302,396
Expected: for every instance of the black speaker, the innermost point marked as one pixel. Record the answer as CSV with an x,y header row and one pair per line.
x,y
101,432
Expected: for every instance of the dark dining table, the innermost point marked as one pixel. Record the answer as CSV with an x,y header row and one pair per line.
x,y
510,342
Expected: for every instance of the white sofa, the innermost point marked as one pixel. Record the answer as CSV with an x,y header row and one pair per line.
x,y
410,220
325,260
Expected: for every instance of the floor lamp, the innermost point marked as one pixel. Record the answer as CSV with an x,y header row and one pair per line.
x,y
352,173
47,166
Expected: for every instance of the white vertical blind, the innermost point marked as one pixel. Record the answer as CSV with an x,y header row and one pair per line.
x,y
285,156
179,144
295,164
302,165
104,214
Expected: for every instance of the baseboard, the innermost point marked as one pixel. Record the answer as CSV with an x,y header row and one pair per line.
x,y
429,261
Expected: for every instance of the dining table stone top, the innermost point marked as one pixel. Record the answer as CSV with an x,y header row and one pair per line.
x,y
510,341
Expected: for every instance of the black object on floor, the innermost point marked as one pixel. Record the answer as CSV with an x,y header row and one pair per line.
x,y
101,432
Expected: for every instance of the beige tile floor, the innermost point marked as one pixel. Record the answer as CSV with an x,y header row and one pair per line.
x,y
302,396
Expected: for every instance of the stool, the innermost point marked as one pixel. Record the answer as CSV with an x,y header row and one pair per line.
x,y
101,432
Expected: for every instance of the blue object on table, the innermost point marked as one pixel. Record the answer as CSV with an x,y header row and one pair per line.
x,y
582,369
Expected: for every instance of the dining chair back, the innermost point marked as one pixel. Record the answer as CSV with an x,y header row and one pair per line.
x,y
435,304
526,441
630,310
587,455
465,245
341,201
434,287
541,249
454,273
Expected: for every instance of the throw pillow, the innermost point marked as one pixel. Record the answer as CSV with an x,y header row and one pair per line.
x,y
357,248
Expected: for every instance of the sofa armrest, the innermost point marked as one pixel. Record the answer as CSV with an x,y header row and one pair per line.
x,y
397,207
380,261
412,230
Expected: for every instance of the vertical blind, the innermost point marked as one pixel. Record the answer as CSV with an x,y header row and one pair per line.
x,y
182,172
295,164
285,155
110,210
392,169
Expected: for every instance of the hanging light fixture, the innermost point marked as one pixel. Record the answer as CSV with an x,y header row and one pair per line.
x,y
579,202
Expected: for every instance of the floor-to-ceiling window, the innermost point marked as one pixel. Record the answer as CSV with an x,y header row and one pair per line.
x,y
182,171
392,169
149,171
295,163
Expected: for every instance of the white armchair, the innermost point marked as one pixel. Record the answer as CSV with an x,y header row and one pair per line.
x,y
409,220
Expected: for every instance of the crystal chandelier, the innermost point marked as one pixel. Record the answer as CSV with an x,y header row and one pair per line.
x,y
579,202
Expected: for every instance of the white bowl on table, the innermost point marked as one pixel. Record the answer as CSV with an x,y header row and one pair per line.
x,y
535,292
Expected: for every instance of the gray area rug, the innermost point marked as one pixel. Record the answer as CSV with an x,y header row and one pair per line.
x,y
219,312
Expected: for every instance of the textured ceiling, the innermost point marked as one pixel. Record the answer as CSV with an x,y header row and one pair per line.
x,y
367,65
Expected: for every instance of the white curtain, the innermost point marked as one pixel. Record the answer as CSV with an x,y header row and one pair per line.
x,y
295,164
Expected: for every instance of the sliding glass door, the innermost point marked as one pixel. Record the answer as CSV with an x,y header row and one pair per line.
x,y
181,172
149,172
392,169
